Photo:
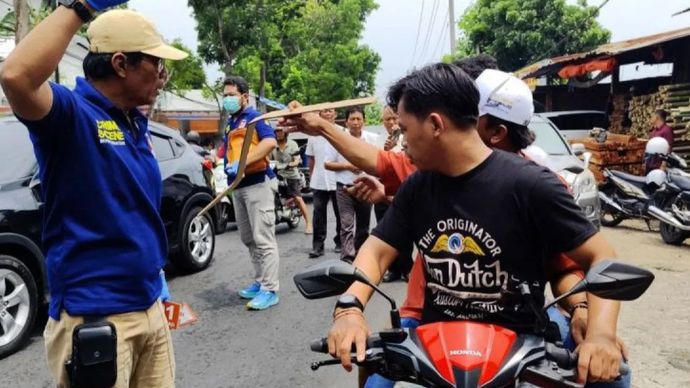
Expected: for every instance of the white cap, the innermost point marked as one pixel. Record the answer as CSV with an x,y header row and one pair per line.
x,y
504,96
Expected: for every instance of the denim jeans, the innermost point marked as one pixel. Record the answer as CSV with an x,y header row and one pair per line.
x,y
563,323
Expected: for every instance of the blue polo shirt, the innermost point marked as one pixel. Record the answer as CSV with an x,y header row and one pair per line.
x,y
102,232
263,130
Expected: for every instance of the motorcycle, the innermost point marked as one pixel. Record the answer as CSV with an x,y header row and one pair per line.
x,y
677,202
286,208
227,212
471,354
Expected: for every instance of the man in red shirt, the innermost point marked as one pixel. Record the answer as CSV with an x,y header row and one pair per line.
x,y
659,129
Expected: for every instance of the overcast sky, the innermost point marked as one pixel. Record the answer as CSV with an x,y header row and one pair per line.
x,y
392,29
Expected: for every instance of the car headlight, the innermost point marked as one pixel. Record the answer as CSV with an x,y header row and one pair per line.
x,y
584,183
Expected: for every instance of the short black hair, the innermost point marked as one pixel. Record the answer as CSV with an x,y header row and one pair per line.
x,y
439,87
98,66
519,135
662,114
238,82
354,109
474,66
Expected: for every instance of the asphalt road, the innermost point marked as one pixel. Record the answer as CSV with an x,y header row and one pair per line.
x,y
233,347
230,346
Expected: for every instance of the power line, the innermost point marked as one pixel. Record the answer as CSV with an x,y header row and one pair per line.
x,y
419,29
432,21
434,56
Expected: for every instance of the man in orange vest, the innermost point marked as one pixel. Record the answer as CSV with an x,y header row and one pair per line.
x,y
253,199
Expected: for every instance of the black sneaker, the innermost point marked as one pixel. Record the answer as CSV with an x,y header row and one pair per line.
x,y
337,249
315,254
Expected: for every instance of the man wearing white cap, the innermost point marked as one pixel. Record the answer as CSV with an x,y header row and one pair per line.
x,y
472,206
103,235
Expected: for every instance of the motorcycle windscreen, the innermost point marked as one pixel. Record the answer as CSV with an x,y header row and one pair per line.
x,y
466,350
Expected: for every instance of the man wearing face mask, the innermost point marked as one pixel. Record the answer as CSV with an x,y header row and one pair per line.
x,y
253,199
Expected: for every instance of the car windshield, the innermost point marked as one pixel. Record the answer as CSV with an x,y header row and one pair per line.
x,y
17,158
548,138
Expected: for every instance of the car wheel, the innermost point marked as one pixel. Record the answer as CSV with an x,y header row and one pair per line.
x,y
18,304
198,242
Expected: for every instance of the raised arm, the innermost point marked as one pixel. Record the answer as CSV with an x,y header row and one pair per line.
x,y
26,71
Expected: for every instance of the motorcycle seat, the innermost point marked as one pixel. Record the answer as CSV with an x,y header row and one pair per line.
x,y
639,180
681,181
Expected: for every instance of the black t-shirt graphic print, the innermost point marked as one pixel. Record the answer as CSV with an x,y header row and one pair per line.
x,y
482,233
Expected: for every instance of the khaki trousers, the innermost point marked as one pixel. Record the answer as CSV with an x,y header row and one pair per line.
x,y
145,356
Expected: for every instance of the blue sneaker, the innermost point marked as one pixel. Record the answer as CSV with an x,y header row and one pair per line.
x,y
263,300
250,291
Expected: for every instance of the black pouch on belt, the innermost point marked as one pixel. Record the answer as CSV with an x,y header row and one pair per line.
x,y
94,355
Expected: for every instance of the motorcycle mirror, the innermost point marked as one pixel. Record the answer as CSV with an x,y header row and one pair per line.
x,y
612,280
330,278
618,281
334,277
578,149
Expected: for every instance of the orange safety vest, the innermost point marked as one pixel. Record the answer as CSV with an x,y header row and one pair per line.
x,y
235,142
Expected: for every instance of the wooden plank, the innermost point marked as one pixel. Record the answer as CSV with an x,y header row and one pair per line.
x,y
315,108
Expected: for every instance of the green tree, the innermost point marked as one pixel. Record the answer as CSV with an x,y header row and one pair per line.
x,y
290,49
186,74
374,114
521,32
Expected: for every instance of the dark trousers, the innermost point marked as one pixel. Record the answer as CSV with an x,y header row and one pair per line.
x,y
354,223
402,264
320,218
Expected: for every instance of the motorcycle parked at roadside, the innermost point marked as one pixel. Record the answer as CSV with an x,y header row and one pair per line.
x,y
626,196
472,354
677,201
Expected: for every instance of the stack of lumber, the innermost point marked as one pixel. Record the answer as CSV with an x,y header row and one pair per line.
x,y
619,152
675,99
618,115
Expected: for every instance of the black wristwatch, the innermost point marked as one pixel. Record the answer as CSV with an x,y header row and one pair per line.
x,y
347,301
80,8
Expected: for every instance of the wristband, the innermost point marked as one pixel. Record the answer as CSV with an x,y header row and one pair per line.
x,y
581,305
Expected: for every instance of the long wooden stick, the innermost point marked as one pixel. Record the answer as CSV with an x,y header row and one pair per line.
x,y
240,169
251,127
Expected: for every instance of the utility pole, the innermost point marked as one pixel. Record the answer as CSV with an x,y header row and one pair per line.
x,y
451,24
22,27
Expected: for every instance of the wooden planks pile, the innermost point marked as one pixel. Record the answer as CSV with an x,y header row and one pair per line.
x,y
675,99
619,152
618,115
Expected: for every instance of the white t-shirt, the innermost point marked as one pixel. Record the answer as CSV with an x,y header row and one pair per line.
x,y
348,177
321,179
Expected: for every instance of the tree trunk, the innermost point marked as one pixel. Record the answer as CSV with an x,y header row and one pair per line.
x,y
262,87
22,11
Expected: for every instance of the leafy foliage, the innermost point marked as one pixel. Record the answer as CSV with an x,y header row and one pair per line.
x,y
520,32
309,48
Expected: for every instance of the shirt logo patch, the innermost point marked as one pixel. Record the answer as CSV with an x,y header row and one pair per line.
x,y
457,244
109,132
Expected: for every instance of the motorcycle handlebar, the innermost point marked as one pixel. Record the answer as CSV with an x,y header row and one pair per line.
x,y
568,360
320,345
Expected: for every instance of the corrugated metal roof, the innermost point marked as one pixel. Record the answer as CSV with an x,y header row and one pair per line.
x,y
610,49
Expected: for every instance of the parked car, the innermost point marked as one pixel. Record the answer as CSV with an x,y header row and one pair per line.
x,y
576,124
563,159
23,287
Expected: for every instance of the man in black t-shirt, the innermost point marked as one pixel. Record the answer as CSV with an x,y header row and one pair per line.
x,y
482,220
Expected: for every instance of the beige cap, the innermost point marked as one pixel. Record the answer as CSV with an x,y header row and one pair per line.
x,y
123,30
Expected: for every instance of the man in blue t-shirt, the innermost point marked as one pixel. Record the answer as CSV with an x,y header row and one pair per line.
x,y
253,199
103,235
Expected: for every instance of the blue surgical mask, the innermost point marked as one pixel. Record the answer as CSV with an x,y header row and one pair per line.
x,y
232,104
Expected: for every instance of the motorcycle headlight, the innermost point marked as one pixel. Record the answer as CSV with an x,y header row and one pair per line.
x,y
583,183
